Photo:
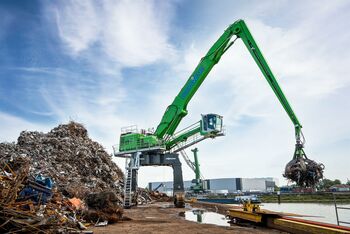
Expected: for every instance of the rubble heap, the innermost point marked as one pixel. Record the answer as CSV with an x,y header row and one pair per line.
x,y
144,196
25,215
159,196
55,182
103,206
77,164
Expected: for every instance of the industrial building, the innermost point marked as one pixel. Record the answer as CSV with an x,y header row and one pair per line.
x,y
223,185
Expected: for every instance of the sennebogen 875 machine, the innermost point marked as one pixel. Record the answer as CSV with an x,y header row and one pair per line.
x,y
162,146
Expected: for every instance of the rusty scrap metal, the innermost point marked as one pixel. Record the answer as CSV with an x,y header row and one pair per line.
x,y
144,196
76,163
26,216
304,172
104,206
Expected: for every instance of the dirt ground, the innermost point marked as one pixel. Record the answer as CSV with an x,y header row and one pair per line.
x,y
162,217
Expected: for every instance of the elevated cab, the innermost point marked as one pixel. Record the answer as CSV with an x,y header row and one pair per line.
x,y
211,124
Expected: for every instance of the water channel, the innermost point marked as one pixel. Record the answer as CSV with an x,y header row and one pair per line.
x,y
312,211
317,211
203,216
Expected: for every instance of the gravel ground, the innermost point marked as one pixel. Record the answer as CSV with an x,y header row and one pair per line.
x,y
161,217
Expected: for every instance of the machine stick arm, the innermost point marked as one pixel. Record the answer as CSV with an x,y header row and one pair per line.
x,y
241,30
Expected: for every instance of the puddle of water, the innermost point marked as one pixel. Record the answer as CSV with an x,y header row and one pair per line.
x,y
166,205
203,216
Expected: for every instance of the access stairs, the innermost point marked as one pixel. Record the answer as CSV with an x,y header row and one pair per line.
x,y
132,165
127,189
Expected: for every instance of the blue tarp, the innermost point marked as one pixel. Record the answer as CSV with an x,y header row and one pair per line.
x,y
39,190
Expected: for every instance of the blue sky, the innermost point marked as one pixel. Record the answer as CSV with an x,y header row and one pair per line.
x,y
109,64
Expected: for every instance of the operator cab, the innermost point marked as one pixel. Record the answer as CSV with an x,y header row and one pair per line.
x,y
211,123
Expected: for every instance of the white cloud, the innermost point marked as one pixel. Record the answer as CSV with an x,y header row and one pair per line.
x,y
131,33
78,24
308,56
95,103
310,65
14,125
135,32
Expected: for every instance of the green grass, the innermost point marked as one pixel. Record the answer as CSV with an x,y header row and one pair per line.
x,y
306,198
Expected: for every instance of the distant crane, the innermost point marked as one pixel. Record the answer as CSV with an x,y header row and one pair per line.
x,y
198,182
156,188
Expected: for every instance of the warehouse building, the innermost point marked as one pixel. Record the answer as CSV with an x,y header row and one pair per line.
x,y
224,185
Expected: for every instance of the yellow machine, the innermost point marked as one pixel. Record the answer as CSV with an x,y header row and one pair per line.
x,y
249,207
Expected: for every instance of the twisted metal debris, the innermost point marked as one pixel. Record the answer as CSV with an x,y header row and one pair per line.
x,y
144,196
304,172
79,167
27,216
77,164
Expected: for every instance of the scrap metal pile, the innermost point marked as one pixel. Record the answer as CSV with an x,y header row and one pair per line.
x,y
60,182
32,205
144,196
104,206
77,164
304,172
29,214
57,182
159,196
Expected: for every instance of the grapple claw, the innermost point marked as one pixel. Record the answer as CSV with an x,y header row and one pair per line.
x,y
304,172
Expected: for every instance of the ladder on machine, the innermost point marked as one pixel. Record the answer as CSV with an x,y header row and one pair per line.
x,y
127,189
131,166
